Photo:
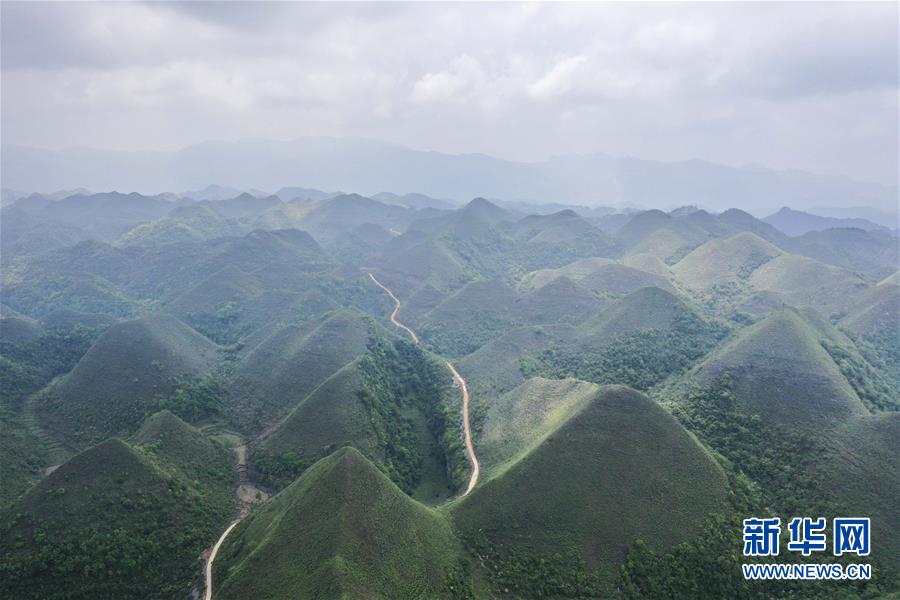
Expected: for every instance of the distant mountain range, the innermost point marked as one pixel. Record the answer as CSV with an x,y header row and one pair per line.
x,y
369,167
795,222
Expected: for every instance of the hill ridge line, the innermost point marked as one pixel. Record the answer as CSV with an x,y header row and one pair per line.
x,y
467,431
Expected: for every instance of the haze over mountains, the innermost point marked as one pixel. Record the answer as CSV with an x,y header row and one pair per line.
x,y
371,166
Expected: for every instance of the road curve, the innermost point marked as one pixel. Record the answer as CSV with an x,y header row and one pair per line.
x,y
212,556
394,320
467,433
467,430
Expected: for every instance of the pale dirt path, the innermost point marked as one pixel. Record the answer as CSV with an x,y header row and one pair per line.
x,y
241,451
212,556
394,320
467,430
248,495
467,433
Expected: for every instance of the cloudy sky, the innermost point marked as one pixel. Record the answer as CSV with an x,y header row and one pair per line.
x,y
808,86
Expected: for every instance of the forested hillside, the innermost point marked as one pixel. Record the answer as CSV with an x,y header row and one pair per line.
x,y
631,393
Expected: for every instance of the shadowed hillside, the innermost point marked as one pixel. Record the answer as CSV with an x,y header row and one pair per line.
x,y
730,273
779,370
291,362
114,521
393,404
342,530
536,508
122,377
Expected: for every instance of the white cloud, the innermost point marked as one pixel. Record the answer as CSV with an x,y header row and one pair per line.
x,y
465,72
558,81
676,39
522,81
437,86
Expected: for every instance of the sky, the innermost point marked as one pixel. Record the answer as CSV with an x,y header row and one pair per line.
x,y
787,85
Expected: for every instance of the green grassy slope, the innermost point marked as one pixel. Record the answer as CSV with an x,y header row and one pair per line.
x,y
648,263
642,224
120,379
393,404
645,308
873,253
667,237
618,469
231,304
473,238
874,324
780,371
861,476
180,448
519,420
560,300
670,237
576,271
23,451
721,261
497,367
280,259
745,272
482,311
479,311
40,296
420,302
788,403
876,309
333,217
415,259
802,281
184,224
342,530
290,363
639,340
332,416
557,239
610,279
31,354
109,523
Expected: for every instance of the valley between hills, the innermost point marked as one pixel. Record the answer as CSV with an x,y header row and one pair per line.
x,y
326,395
467,436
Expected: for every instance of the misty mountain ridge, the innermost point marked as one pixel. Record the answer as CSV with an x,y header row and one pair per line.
x,y
796,222
373,166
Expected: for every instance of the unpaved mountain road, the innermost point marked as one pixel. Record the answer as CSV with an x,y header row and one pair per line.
x,y
467,430
212,557
467,433
248,495
394,319
241,451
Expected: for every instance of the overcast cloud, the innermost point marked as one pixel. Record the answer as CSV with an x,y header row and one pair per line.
x,y
808,86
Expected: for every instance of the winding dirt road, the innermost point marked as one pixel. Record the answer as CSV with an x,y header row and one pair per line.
x,y
248,495
394,320
467,430
212,557
467,435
